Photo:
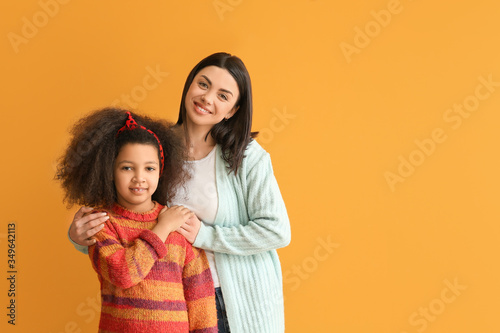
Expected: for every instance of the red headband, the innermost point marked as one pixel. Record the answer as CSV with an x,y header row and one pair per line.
x,y
131,124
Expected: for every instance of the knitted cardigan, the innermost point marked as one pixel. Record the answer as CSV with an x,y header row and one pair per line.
x,y
251,223
148,285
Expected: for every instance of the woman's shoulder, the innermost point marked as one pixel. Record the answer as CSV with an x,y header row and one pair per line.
x,y
254,147
254,154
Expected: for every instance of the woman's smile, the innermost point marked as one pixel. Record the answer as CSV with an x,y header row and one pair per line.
x,y
201,109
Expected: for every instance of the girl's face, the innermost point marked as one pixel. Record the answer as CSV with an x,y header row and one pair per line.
x,y
136,174
211,97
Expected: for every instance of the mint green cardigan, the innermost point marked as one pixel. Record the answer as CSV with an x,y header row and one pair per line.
x,y
251,223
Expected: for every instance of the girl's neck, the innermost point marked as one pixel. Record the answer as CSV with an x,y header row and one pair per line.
x,y
140,216
138,209
198,143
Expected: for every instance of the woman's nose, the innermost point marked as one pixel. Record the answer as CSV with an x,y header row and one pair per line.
x,y
207,98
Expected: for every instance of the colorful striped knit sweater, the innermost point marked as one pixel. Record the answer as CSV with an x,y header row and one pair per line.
x,y
148,285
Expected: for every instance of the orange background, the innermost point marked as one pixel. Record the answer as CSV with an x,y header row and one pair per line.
x,y
347,97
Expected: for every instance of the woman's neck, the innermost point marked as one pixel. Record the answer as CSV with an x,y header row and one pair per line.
x,y
199,144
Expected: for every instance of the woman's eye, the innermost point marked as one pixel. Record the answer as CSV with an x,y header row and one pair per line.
x,y
224,97
203,85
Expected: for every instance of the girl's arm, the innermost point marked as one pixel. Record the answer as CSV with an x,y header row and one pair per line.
x,y
267,227
199,292
123,266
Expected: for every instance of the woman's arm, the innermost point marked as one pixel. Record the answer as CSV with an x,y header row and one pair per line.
x,y
78,247
84,226
267,227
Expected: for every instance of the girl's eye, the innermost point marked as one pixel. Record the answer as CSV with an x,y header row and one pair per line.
x,y
126,168
150,169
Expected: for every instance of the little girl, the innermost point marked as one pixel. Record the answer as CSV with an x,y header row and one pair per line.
x,y
152,279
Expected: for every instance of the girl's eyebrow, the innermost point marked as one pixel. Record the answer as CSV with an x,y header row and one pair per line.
x,y
210,83
148,162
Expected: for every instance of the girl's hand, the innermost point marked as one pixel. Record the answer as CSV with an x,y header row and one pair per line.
x,y
190,229
86,225
170,219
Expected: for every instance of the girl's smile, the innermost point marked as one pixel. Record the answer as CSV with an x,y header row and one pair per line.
x,y
138,190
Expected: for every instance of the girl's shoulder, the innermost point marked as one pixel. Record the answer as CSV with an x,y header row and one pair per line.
x,y
175,238
179,250
108,211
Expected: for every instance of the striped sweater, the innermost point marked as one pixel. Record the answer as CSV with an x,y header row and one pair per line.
x,y
148,285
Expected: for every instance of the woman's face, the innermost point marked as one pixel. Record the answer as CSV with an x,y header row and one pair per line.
x,y
211,97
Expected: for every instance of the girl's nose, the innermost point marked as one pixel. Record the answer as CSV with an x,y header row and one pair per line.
x,y
139,178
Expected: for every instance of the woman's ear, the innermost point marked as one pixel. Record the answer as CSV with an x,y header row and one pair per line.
x,y
232,112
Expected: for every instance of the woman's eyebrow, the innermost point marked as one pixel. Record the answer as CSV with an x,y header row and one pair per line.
x,y
227,91
206,78
210,82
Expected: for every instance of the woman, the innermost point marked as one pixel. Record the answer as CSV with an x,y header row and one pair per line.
x,y
233,191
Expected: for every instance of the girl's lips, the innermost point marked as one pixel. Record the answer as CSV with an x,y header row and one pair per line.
x,y
138,190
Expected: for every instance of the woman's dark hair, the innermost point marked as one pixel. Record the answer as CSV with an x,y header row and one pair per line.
x,y
234,134
86,168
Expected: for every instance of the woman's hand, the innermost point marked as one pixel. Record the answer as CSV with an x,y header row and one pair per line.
x,y
170,219
190,229
86,225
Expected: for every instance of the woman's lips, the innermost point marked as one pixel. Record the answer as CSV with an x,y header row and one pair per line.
x,y
201,110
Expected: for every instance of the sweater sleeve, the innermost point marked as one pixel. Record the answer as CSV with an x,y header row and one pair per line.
x,y
199,292
267,227
122,266
83,249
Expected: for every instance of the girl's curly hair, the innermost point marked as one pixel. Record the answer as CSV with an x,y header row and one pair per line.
x,y
86,168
